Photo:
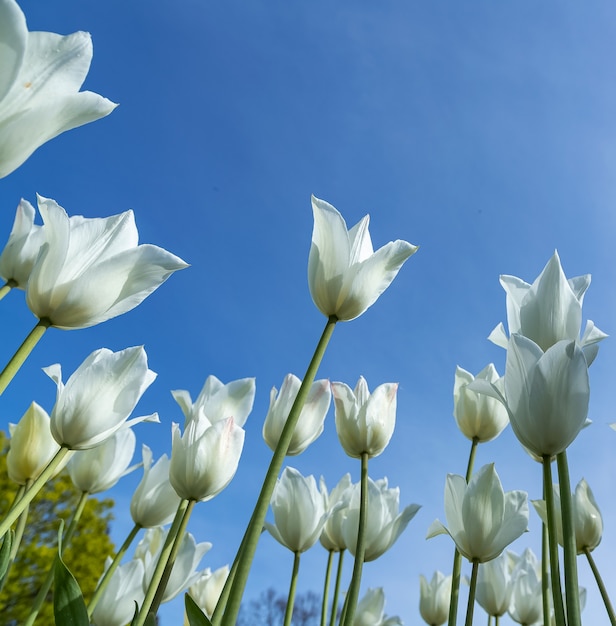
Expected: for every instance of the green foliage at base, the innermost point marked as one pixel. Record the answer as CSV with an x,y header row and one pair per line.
x,y
85,556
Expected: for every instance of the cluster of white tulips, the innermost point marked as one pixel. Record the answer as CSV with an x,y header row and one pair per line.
x,y
77,272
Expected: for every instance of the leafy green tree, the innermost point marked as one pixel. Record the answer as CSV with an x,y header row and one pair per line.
x,y
85,555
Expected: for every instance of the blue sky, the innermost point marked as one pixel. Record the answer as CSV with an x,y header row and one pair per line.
x,y
483,132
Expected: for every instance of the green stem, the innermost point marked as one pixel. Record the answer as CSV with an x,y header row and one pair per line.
x,y
457,557
224,595
572,591
489,620
19,533
606,599
545,571
17,360
4,290
102,585
160,592
360,548
328,571
332,619
288,614
548,494
471,594
496,620
30,494
165,553
66,538
253,532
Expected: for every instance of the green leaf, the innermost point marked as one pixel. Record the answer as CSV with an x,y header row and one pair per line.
x,y
5,553
196,617
69,608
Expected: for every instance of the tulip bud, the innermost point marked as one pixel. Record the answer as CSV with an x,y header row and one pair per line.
x,y
365,422
310,423
32,446
205,458
206,590
434,597
371,610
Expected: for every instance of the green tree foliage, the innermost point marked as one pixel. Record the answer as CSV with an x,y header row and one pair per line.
x,y
84,557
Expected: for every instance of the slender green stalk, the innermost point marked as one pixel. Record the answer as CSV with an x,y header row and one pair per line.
x,y
328,571
574,617
253,532
31,493
496,620
4,290
18,495
548,494
288,614
471,594
66,538
457,557
606,599
332,619
489,620
224,595
102,585
165,554
17,360
19,533
360,548
545,571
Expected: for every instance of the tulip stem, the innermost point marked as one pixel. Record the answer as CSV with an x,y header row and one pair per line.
x,y
545,570
548,494
66,538
606,599
328,572
173,536
161,564
288,614
12,367
471,594
570,549
360,548
4,290
224,595
19,533
248,546
457,557
334,611
16,510
102,585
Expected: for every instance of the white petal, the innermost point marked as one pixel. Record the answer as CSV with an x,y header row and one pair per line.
x,y
13,38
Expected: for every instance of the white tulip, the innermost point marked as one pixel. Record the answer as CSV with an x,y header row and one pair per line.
x,y
92,269
337,502
434,598
206,590
39,87
371,610
99,396
311,419
345,275
494,585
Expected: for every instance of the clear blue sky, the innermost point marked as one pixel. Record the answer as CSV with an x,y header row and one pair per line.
x,y
483,132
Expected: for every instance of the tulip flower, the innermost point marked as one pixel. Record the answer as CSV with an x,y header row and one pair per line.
x,y
218,401
154,502
116,606
384,522
494,585
39,87
345,275
482,519
364,421
32,446
526,605
337,502
299,511
549,310
546,394
205,458
434,597
371,610
99,396
100,468
22,248
310,424
587,520
206,589
479,417
184,569
90,270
